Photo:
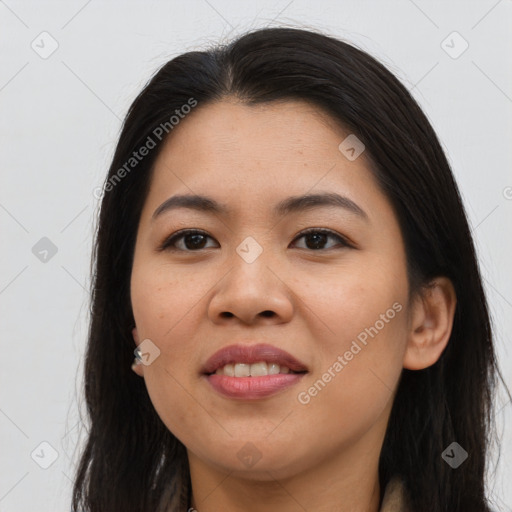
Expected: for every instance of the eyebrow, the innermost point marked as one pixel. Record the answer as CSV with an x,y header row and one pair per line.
x,y
289,205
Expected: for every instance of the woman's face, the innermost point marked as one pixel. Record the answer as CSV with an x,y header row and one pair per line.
x,y
337,302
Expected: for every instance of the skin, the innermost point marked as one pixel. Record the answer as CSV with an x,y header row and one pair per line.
x,y
322,455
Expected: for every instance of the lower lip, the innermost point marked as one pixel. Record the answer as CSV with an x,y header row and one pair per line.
x,y
252,387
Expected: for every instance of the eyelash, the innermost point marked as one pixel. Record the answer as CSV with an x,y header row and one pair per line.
x,y
169,241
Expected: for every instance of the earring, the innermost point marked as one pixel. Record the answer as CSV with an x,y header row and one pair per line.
x,y
138,357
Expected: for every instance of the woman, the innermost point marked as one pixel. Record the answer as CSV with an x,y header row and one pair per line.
x,y
282,245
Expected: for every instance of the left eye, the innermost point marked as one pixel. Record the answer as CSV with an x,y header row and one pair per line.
x,y
193,240
319,236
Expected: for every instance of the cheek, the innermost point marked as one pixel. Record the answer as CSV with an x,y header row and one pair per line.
x,y
166,309
360,343
354,384
355,300
164,300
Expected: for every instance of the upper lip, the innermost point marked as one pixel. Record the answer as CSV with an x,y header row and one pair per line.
x,y
252,354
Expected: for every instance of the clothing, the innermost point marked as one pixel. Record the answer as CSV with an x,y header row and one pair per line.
x,y
395,497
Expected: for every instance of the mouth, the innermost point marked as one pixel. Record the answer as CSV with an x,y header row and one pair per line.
x,y
259,369
252,371
258,360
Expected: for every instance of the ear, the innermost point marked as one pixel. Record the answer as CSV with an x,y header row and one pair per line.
x,y
137,368
430,326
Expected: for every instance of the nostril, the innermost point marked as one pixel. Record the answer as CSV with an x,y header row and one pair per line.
x,y
267,313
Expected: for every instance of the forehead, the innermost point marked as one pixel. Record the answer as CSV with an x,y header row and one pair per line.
x,y
280,126
247,155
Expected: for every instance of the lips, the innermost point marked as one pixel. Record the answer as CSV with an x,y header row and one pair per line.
x,y
249,354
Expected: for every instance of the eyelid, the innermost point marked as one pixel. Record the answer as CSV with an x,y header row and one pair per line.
x,y
168,241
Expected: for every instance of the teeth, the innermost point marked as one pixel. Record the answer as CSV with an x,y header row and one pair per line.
x,y
258,369
253,370
273,369
229,370
242,370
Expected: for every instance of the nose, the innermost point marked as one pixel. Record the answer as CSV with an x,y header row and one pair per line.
x,y
252,293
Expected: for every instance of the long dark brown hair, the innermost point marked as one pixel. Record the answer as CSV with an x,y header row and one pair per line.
x,y
131,462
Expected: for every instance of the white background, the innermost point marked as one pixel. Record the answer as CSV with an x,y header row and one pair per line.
x,y
59,122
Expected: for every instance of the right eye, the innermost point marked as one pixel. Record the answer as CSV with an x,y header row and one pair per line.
x,y
193,238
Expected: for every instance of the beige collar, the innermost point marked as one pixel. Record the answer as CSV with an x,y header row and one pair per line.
x,y
395,498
